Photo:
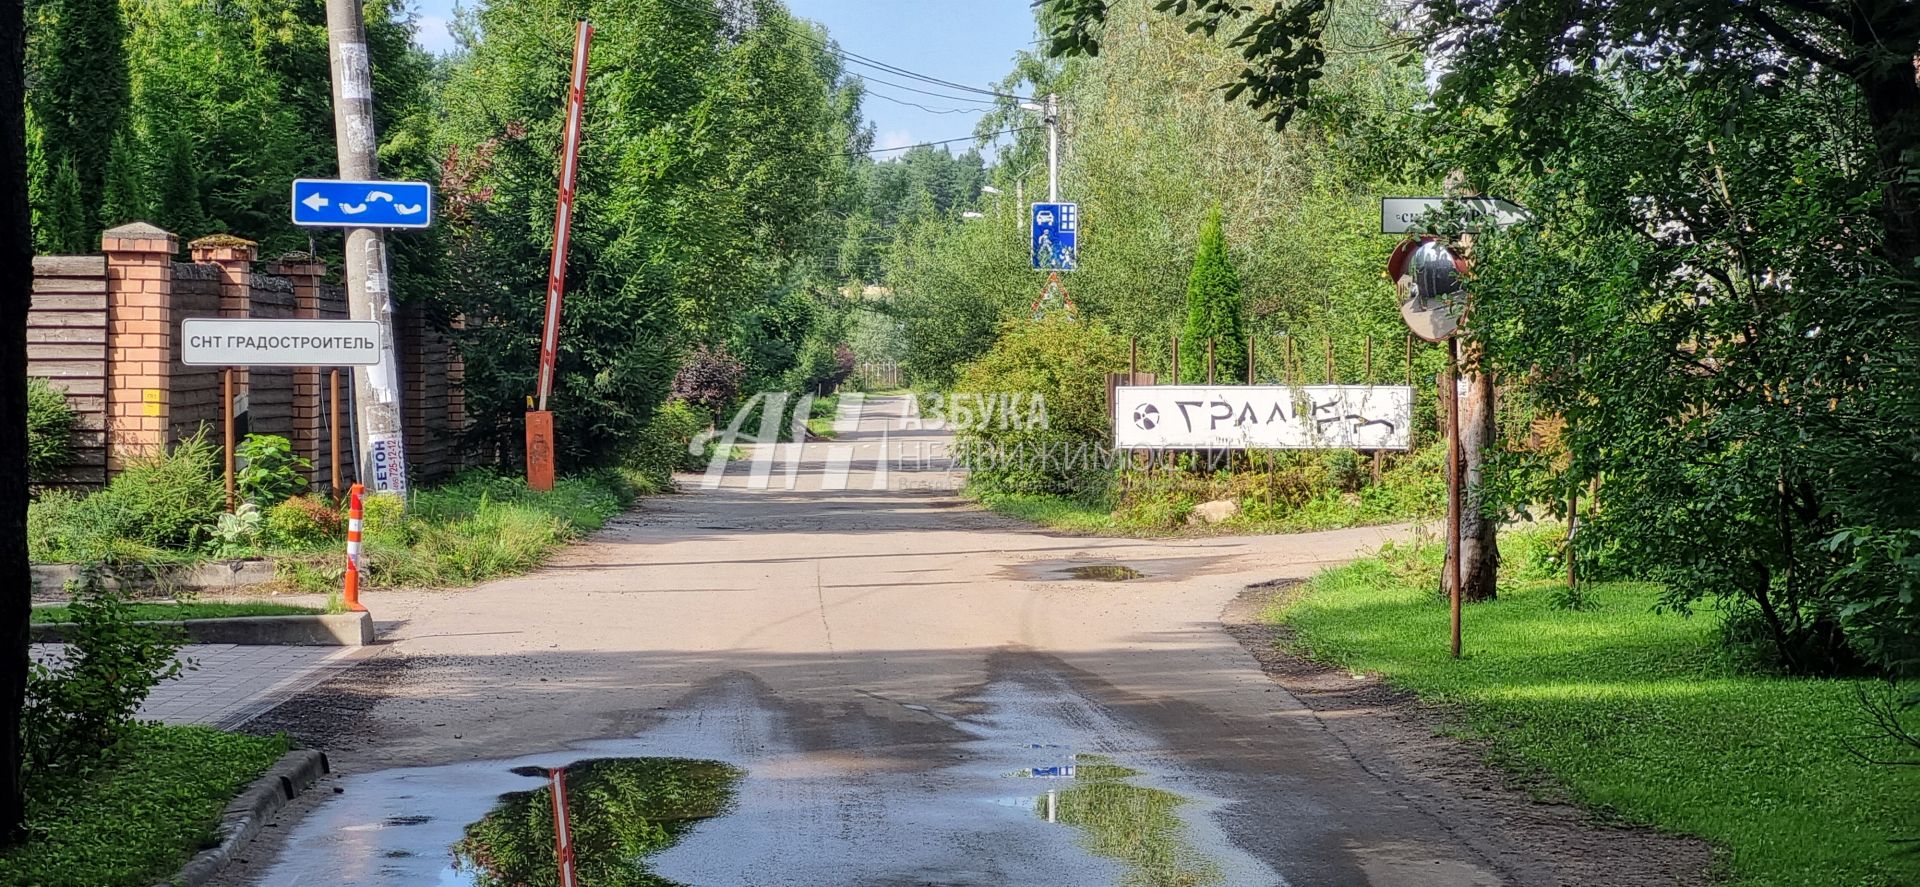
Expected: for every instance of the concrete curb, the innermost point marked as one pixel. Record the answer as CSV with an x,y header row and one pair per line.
x,y
244,817
318,630
50,580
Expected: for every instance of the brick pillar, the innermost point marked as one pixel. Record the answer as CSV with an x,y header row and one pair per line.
x,y
139,339
310,437
234,256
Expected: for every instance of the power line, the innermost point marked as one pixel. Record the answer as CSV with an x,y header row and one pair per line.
x,y
934,144
994,103
882,95
858,59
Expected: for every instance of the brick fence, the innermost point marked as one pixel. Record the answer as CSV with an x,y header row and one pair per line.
x,y
106,329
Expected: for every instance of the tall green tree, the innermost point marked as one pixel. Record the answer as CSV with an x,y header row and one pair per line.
x,y
1717,292
712,159
78,71
1216,314
1511,63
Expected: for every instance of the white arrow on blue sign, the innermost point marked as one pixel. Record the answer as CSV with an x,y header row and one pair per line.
x,y
333,203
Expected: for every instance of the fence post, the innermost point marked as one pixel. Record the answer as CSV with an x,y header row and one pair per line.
x,y
139,322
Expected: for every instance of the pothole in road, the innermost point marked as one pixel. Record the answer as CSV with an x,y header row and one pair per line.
x,y
1105,572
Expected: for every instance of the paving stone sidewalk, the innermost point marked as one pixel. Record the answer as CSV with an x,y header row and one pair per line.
x,y
232,684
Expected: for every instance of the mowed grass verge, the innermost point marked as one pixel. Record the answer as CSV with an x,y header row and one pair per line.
x,y
170,612
134,821
1638,715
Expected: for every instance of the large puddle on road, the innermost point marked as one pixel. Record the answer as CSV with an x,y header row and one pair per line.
x,y
1032,785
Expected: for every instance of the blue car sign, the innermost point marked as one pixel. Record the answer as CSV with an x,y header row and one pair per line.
x,y
1056,228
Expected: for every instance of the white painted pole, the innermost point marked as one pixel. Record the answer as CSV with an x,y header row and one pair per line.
x,y
1053,148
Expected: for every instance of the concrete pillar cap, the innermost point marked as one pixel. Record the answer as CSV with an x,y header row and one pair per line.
x,y
139,237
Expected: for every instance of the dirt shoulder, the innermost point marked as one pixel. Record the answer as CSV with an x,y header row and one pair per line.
x,y
1406,744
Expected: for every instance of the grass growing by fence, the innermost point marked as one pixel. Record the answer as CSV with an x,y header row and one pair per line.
x,y
1276,493
481,526
1638,714
135,820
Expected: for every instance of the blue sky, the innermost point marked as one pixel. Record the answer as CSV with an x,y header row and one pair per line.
x,y
963,41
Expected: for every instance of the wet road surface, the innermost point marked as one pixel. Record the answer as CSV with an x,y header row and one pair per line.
x,y
880,662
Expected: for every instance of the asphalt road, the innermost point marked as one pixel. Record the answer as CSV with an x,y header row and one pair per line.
x,y
879,658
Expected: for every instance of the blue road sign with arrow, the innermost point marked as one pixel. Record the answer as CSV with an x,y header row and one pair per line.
x,y
333,203
1056,230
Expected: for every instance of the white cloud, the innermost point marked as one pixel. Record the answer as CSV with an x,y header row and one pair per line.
x,y
433,35
895,138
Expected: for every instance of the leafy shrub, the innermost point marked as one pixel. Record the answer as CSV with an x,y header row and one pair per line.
x,y
237,534
270,472
664,445
1065,362
49,519
305,520
159,503
709,379
50,424
384,517
1535,552
79,708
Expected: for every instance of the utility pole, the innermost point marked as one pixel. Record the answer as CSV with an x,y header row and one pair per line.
x,y
381,462
1053,148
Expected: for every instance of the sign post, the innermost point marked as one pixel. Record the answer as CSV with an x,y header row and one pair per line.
x,y
1429,276
539,420
230,342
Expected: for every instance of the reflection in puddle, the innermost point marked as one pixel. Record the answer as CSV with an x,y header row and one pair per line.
x,y
884,799
1134,824
621,811
1105,572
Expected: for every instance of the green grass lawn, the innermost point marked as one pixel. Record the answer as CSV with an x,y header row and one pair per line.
x,y
1638,715
166,612
1058,512
138,819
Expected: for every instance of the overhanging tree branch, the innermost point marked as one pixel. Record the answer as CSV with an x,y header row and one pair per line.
x,y
1799,45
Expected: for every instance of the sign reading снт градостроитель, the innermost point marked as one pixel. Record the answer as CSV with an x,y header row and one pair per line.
x,y
209,341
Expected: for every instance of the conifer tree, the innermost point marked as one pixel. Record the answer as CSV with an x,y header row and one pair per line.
x,y
77,66
1215,311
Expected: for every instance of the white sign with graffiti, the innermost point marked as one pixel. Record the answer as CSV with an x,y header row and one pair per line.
x,y
1263,417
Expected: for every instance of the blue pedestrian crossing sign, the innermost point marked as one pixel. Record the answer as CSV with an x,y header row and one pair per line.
x,y
334,203
1056,228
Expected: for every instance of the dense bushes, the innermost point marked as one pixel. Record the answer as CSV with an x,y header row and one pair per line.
x,y
169,502
1050,431
663,446
50,424
305,520
709,378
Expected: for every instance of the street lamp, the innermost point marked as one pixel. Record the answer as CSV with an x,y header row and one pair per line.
x,y
989,189
970,215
